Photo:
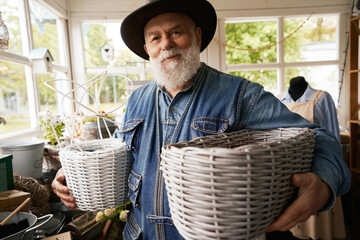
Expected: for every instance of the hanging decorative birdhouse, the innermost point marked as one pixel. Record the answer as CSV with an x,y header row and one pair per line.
x,y
107,52
41,60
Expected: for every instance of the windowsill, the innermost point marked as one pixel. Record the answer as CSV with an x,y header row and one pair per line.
x,y
20,135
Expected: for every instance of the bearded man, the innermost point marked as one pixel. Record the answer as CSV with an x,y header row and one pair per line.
x,y
190,99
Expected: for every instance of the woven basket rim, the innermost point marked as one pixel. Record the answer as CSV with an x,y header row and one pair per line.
x,y
76,148
195,144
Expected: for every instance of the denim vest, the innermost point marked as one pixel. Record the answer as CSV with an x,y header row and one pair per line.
x,y
218,103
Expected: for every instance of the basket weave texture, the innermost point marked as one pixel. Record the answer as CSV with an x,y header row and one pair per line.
x,y
96,172
232,186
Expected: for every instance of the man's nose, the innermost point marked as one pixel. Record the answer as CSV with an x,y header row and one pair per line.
x,y
167,43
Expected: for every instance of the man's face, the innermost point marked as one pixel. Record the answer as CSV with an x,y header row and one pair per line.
x,y
167,31
173,44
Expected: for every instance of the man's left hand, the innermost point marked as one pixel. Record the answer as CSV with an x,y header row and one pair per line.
x,y
313,195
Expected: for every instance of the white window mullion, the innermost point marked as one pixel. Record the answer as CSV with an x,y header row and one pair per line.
x,y
64,68
311,64
78,63
60,31
25,27
13,57
280,56
222,52
27,45
254,66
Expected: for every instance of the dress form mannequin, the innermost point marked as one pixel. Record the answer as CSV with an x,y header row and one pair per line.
x,y
317,107
297,87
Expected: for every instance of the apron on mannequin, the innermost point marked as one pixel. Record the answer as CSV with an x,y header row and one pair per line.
x,y
326,225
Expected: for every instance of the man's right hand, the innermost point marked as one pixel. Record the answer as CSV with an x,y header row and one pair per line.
x,y
63,192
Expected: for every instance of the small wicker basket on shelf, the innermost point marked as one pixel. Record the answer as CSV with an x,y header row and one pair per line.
x,y
233,185
96,172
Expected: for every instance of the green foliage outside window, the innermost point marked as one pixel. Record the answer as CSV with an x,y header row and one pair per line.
x,y
260,34
250,35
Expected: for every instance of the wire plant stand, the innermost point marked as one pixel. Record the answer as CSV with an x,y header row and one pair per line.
x,y
96,171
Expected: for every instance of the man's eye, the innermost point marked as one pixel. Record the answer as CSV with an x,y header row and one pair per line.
x,y
155,39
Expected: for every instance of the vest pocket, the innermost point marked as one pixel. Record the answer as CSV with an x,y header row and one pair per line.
x,y
131,230
208,126
134,182
130,131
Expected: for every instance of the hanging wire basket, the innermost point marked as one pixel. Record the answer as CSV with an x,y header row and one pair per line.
x,y
233,185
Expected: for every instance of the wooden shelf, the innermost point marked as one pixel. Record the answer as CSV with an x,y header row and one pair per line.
x,y
355,18
344,136
355,121
354,126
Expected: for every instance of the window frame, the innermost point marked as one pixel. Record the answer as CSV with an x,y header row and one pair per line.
x,y
78,58
31,83
280,66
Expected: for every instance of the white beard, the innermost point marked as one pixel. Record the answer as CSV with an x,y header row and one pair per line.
x,y
177,73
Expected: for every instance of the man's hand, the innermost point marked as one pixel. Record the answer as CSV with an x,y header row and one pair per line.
x,y
313,195
63,192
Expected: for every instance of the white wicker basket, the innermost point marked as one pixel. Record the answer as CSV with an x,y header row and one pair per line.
x,y
232,186
96,172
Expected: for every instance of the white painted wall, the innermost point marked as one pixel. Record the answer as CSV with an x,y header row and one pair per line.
x,y
223,7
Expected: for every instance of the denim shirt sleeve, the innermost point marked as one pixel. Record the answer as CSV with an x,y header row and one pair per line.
x,y
262,110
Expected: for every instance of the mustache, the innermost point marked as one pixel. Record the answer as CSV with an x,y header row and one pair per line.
x,y
169,53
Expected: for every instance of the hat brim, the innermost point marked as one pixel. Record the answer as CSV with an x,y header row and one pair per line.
x,y
201,12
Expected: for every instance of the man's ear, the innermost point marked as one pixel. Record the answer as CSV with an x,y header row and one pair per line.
x,y
198,34
146,49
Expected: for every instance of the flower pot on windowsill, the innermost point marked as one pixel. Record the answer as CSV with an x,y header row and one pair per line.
x,y
102,124
51,161
90,130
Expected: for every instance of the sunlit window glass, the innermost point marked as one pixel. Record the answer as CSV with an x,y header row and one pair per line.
x,y
267,78
253,36
48,97
320,77
10,15
13,97
314,41
106,36
107,92
44,29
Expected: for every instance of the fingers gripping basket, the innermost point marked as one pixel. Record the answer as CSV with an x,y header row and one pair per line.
x,y
232,186
96,172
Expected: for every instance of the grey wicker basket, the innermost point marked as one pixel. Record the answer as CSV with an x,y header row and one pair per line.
x,y
97,172
232,186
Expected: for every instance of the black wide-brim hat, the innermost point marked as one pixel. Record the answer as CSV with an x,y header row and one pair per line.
x,y
200,11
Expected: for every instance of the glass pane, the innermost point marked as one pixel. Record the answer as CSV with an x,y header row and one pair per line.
x,y
106,36
44,29
13,97
267,78
48,100
314,41
250,35
10,15
112,91
321,77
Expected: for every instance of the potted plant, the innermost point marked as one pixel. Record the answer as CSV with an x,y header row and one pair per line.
x,y
91,125
53,129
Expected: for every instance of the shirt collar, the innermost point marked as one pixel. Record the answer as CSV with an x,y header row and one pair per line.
x,y
304,98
